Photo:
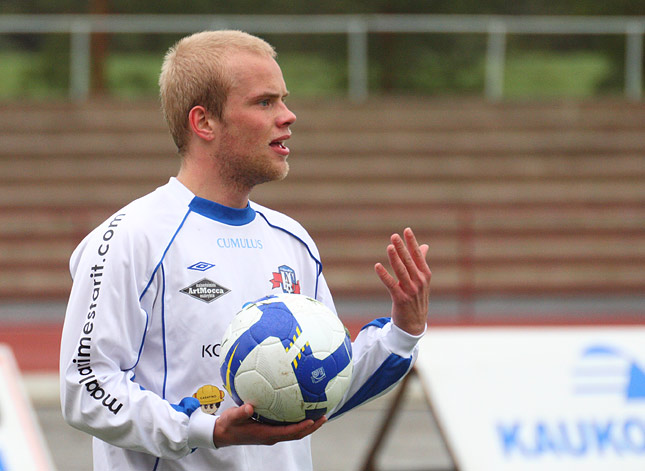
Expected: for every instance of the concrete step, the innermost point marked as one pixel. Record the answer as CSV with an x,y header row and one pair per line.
x,y
85,193
409,166
377,114
456,142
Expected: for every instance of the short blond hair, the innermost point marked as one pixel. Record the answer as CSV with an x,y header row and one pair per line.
x,y
194,73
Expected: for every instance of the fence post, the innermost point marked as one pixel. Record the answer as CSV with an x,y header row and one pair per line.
x,y
79,63
357,60
495,58
634,61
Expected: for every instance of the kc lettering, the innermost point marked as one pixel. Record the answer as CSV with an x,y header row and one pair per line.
x,y
210,350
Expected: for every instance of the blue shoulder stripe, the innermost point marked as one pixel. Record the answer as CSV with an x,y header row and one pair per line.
x,y
379,323
391,370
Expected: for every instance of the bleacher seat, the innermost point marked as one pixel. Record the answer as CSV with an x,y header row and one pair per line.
x,y
528,198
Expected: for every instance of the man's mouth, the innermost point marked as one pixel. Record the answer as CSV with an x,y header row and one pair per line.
x,y
279,144
279,147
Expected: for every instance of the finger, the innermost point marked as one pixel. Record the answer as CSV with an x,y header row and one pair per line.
x,y
242,413
416,259
412,245
317,424
384,276
418,255
411,255
314,426
400,260
294,431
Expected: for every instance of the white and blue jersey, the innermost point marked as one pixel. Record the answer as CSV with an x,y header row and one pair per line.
x,y
155,286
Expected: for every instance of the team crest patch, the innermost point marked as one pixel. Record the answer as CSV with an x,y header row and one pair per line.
x,y
286,279
205,290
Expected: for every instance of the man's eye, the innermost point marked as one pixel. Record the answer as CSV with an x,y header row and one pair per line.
x,y
266,102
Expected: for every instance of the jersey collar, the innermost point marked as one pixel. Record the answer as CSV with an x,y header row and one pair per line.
x,y
221,213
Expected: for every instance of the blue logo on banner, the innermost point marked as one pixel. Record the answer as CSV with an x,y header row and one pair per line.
x,y
607,370
601,371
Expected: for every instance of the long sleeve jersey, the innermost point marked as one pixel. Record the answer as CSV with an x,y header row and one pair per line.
x,y
155,286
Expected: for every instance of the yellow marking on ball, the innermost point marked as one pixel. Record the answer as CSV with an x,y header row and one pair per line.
x,y
228,371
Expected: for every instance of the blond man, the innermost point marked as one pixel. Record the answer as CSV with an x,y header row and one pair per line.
x,y
157,283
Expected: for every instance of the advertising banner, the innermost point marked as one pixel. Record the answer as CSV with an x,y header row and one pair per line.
x,y
541,398
22,447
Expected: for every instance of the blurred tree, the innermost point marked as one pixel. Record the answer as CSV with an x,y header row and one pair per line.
x,y
99,49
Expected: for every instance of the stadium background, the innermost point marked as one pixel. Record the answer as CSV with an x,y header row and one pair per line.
x,y
530,192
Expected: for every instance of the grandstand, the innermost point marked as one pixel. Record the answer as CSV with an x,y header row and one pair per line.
x,y
532,199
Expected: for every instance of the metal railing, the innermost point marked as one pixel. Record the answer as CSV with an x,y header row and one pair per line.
x,y
355,27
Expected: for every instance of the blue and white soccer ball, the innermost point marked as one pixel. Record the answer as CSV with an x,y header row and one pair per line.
x,y
287,355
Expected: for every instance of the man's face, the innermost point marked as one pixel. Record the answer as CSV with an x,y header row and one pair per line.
x,y
255,123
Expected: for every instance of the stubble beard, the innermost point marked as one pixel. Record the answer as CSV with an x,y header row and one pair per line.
x,y
243,172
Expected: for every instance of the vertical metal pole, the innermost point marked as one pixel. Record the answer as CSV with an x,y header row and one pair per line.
x,y
495,58
79,63
357,60
634,61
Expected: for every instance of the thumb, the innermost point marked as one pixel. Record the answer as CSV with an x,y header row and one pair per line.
x,y
243,413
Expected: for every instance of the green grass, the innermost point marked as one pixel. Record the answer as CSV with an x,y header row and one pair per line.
x,y
573,75
528,75
132,75
309,75
22,76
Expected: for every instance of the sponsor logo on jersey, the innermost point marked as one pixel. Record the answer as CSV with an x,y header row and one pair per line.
x,y
201,266
85,350
286,279
205,290
239,243
210,350
210,398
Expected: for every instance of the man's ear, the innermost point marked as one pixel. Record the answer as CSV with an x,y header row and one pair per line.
x,y
202,123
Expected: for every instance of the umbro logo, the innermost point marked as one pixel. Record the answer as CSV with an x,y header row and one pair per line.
x,y
205,290
201,266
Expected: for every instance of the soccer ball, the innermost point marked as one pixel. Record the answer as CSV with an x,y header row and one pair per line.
x,y
289,356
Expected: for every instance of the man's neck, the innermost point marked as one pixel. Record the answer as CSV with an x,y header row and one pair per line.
x,y
207,186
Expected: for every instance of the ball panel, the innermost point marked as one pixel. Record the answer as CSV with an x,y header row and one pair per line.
x,y
337,387
239,324
288,405
254,389
274,364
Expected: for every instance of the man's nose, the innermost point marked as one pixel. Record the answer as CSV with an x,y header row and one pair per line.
x,y
287,117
